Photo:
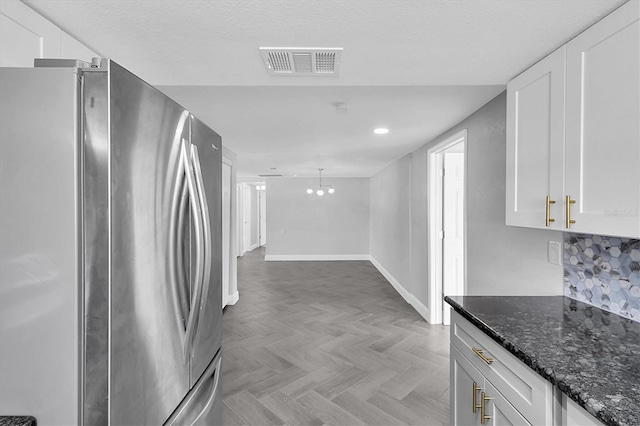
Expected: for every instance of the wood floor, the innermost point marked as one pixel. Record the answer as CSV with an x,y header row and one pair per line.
x,y
329,343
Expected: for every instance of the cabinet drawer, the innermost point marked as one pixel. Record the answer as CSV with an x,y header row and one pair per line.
x,y
529,393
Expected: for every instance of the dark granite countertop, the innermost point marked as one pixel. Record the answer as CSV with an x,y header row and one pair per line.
x,y
18,421
593,356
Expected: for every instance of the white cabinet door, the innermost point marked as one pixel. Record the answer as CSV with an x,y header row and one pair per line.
x,y
468,388
498,411
463,377
602,132
573,414
25,35
535,144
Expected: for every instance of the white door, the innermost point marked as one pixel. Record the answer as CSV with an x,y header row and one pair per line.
x,y
535,142
262,194
226,231
239,221
246,218
603,136
453,228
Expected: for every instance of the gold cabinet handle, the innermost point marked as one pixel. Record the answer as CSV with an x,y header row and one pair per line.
x,y
482,356
476,388
567,211
483,407
548,219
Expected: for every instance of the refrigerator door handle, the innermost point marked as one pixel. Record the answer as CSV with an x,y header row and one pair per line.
x,y
194,409
182,272
176,265
196,212
212,394
207,252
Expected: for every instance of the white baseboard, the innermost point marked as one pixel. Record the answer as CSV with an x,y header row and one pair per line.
x,y
395,283
421,309
252,247
408,297
313,257
233,299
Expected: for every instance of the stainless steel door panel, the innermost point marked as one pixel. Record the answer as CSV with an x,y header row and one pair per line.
x,y
149,374
209,333
203,404
40,234
96,247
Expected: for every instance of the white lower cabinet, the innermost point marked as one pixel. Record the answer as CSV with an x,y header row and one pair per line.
x,y
490,386
474,400
573,414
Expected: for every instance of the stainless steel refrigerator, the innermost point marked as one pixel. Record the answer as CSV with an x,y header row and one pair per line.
x,y
110,250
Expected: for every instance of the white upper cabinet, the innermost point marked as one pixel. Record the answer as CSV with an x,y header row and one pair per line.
x,y
573,133
25,35
602,161
535,131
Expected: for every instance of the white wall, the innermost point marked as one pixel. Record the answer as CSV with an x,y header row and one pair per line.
x,y
501,260
305,227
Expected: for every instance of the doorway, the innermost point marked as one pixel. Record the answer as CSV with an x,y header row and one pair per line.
x,y
262,203
447,224
251,216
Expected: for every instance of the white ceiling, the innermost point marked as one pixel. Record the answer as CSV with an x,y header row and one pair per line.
x,y
415,66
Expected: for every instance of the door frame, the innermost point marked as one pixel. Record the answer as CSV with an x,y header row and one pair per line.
x,y
232,295
434,221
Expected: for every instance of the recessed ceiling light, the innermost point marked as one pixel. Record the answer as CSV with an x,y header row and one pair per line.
x,y
381,131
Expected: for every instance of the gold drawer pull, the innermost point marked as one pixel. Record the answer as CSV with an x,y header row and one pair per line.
x,y
483,400
481,355
476,388
548,218
567,210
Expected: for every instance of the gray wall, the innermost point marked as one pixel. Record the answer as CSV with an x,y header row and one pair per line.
x,y
391,219
303,224
500,259
419,242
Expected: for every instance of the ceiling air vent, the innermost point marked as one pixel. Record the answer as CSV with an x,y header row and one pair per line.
x,y
304,61
271,175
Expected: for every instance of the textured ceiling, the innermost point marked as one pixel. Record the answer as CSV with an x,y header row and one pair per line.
x,y
387,44
306,131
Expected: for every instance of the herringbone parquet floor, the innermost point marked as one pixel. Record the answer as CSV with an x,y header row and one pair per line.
x,y
329,343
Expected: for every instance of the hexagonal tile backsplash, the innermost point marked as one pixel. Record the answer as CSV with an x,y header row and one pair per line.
x,y
604,272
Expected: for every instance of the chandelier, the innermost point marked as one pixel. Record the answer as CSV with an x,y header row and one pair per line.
x,y
320,189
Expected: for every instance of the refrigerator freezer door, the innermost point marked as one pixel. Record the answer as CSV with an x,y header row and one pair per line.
x,y
149,373
40,233
208,336
203,405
